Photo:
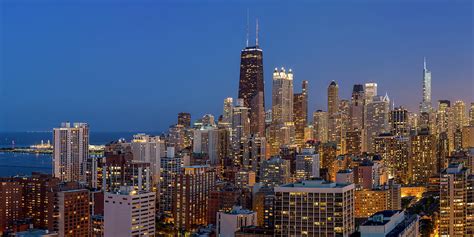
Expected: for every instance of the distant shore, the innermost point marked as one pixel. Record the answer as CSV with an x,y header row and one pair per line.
x,y
38,151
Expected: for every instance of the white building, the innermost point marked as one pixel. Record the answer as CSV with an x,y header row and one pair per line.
x,y
149,149
129,213
390,223
309,207
230,222
71,150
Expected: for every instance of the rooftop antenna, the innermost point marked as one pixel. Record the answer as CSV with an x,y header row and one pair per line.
x,y
247,44
424,63
256,37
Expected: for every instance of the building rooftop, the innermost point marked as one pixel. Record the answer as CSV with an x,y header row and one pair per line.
x,y
315,183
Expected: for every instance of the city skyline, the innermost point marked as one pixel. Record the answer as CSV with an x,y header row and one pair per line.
x,y
119,74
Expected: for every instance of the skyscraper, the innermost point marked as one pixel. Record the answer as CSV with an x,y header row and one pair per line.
x,y
282,127
333,98
370,90
320,124
425,106
228,109
357,107
71,150
377,120
455,189
251,85
333,107
300,113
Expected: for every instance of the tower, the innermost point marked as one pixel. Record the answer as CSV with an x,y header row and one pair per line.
x,y
300,113
71,150
251,85
425,106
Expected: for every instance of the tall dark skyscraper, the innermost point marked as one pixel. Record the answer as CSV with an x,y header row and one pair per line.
x,y
251,85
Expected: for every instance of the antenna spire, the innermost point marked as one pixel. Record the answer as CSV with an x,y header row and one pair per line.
x,y
424,63
256,35
247,43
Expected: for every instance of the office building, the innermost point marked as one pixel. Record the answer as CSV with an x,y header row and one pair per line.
x,y
282,128
425,106
377,122
300,113
251,85
320,125
399,122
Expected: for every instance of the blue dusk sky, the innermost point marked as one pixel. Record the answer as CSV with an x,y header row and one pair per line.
x,y
133,65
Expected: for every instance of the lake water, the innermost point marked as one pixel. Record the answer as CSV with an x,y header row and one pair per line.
x,y
25,163
12,163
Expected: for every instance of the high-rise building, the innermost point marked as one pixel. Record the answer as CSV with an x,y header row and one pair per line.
x,y
377,121
300,113
11,205
282,128
399,122
357,107
307,164
333,108
370,201
122,170
129,213
73,217
353,142
333,98
459,115
184,119
471,114
228,222
320,125
240,131
343,124
275,171
171,167
228,111
370,90
71,150
251,85
425,106
149,149
193,186
423,162
455,189
395,152
391,223
328,209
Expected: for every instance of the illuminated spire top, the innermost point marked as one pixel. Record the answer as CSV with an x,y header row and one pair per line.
x,y
424,63
247,43
256,35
